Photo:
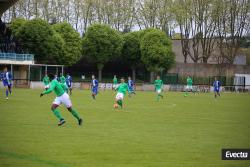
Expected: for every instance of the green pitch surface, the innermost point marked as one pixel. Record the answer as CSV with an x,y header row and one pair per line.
x,y
175,132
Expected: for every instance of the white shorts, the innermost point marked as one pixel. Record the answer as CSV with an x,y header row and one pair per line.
x,y
119,96
64,99
46,86
158,91
189,87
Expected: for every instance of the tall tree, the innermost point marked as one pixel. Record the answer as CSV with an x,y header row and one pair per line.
x,y
156,51
207,29
231,22
38,37
101,43
131,51
16,26
73,42
197,23
183,14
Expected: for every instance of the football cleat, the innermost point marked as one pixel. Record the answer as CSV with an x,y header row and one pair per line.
x,y
80,121
62,121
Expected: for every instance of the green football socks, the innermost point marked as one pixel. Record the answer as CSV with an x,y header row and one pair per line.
x,y
158,96
119,102
75,114
57,114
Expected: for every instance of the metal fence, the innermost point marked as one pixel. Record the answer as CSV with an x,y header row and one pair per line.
x,y
175,79
16,57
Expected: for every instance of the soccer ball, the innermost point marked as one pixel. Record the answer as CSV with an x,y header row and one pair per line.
x,y
115,105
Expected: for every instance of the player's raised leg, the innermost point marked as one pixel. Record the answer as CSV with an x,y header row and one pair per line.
x,y
118,100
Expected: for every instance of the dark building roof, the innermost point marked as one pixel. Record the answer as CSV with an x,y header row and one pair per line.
x,y
5,5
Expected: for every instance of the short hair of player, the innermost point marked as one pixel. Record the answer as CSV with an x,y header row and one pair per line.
x,y
51,76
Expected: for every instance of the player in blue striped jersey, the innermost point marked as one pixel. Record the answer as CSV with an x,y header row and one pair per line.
x,y
94,87
216,86
131,86
6,78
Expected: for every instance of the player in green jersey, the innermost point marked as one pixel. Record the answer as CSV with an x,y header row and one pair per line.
x,y
61,98
121,92
63,82
46,81
115,83
189,86
158,87
62,79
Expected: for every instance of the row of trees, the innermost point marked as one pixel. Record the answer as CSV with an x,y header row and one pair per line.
x,y
212,24
61,43
204,25
57,43
123,15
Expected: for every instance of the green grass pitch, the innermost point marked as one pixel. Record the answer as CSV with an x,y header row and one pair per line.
x,y
174,132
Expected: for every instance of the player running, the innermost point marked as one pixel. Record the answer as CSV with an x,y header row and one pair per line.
x,y
216,86
131,85
115,83
158,87
189,86
61,98
6,77
46,81
94,87
69,83
121,92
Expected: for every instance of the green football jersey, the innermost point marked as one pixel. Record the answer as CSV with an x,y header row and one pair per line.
x,y
46,80
64,86
56,87
115,81
189,81
158,84
62,79
122,88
